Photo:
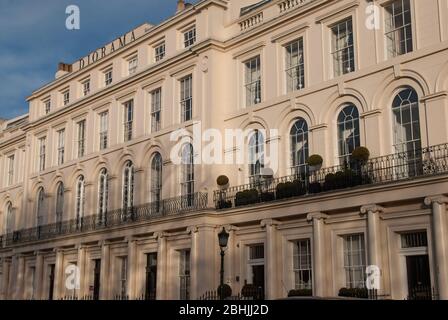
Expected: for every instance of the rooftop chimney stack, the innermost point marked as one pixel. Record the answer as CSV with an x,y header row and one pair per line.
x,y
180,6
63,69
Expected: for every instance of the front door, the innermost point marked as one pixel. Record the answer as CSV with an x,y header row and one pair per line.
x,y
258,279
151,276
419,281
51,284
96,280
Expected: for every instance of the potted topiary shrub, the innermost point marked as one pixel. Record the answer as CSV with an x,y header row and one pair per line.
x,y
298,188
251,291
361,293
361,155
330,180
246,197
223,182
281,191
300,293
224,204
315,162
224,291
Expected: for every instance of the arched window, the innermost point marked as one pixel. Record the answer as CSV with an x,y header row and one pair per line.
x,y
348,132
128,185
299,146
80,198
103,194
60,202
156,180
187,183
256,155
406,121
9,219
40,207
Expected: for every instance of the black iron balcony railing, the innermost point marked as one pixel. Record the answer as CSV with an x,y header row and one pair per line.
x,y
391,168
179,205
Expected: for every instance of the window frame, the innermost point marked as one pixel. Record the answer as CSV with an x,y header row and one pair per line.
x,y
86,87
335,50
11,169
156,110
66,97
128,120
410,26
132,65
298,164
108,77
344,154
189,36
81,127
42,153
103,130
299,268
159,51
290,80
61,147
349,267
186,97
252,81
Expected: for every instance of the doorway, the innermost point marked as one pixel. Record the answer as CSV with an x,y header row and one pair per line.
x,y
96,279
419,280
151,276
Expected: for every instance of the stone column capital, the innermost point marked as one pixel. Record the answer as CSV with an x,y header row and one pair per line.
x,y
439,199
269,223
160,235
374,208
192,229
229,228
316,216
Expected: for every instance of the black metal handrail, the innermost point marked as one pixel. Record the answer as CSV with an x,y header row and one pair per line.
x,y
391,168
146,212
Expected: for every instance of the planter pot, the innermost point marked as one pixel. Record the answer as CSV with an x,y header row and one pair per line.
x,y
315,187
315,167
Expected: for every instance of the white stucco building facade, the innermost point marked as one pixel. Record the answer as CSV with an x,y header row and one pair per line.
x,y
88,177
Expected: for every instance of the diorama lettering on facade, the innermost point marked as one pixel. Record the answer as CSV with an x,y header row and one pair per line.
x,y
102,52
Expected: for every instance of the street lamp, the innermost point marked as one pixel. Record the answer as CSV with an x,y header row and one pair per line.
x,y
223,238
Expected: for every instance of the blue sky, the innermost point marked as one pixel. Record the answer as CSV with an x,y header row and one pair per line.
x,y
33,39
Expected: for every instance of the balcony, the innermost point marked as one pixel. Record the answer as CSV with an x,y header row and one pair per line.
x,y
147,212
397,167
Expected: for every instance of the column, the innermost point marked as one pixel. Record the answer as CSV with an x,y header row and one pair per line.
x,y
82,271
194,287
161,265
319,276
20,280
5,281
439,239
132,267
204,260
373,212
105,267
272,274
373,219
229,262
39,275
59,274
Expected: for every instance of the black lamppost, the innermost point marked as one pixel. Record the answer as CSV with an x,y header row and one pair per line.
x,y
223,238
